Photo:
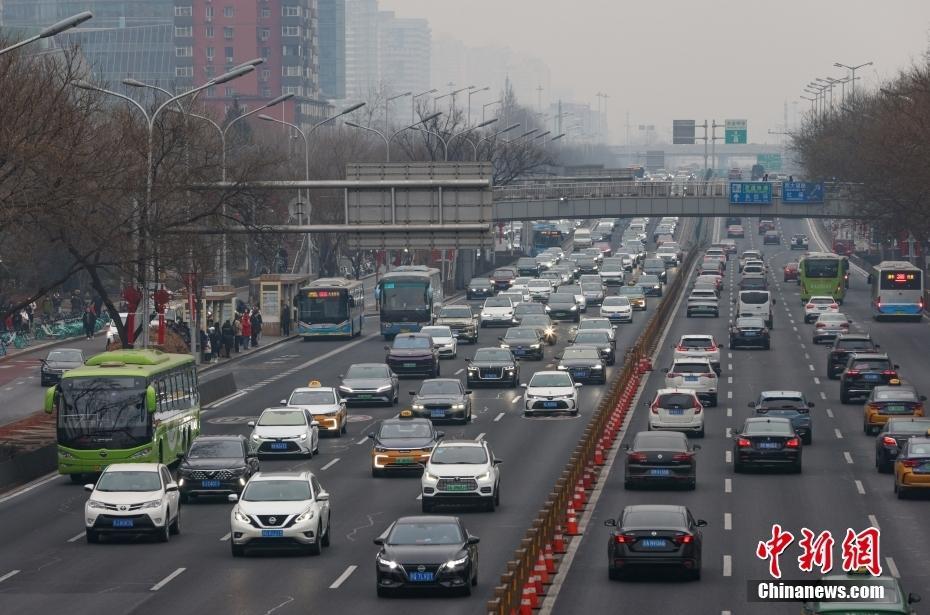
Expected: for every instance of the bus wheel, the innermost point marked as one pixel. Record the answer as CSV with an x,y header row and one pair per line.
x,y
77,479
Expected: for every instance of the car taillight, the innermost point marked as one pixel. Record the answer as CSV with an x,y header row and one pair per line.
x,y
673,374
712,348
680,347
821,325
682,456
684,539
919,409
793,443
910,463
654,407
743,443
833,305
889,372
889,441
624,539
852,372
636,457
710,374
810,306
697,407
874,408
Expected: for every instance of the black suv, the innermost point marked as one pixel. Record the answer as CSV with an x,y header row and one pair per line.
x,y
749,331
493,366
845,345
864,371
799,242
215,465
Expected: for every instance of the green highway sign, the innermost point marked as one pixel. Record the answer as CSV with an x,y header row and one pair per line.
x,y
734,131
770,162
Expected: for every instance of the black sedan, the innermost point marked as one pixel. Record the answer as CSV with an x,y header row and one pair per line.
x,y
493,366
215,465
767,442
600,339
442,399
654,536
543,324
660,458
367,383
893,435
584,363
845,345
562,306
57,362
791,405
413,354
771,237
434,552
480,288
864,372
522,310
749,332
524,343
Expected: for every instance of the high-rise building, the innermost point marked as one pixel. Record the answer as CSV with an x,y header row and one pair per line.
x,y
332,37
404,50
212,37
362,67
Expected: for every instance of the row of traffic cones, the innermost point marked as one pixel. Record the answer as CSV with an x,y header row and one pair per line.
x,y
543,572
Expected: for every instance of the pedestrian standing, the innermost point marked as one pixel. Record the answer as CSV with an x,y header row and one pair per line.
x,y
228,334
88,320
285,320
246,330
237,330
215,343
256,326
24,317
204,346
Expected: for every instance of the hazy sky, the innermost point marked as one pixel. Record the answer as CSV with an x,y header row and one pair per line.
x,y
661,60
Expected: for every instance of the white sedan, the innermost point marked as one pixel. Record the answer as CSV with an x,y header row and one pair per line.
x,y
443,340
550,391
497,311
133,498
819,304
285,431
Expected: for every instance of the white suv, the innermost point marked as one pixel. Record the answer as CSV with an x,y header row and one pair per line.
x,y
696,375
677,410
550,391
461,471
497,311
285,431
819,304
133,498
287,510
699,347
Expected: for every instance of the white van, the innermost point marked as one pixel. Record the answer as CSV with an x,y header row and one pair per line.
x,y
582,238
756,303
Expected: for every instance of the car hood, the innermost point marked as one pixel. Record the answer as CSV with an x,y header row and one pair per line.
x,y
453,320
365,383
274,508
550,391
274,431
458,469
407,353
497,310
422,554
125,497
405,443
442,341
559,305
63,364
439,399
579,362
616,308
212,463
318,409
507,363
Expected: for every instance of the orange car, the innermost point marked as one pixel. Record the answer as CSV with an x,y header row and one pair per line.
x,y
892,401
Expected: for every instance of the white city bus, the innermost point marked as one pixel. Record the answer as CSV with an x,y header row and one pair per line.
x,y
897,291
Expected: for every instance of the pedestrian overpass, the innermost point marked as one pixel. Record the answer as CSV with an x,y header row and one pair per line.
x,y
564,198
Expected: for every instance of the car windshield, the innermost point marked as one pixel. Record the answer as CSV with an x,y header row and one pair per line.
x,y
282,418
906,427
536,320
826,300
362,372
426,533
762,428
754,297
550,380
918,450
451,454
312,398
66,356
696,342
616,302
479,282
439,387
207,449
539,284
435,332
498,302
411,343
871,364
491,354
103,412
676,401
521,333
276,491
529,308
611,268
895,395
660,442
648,279
690,368
561,298
455,312
592,337
595,324
592,287
750,323
832,318
405,430
654,518
847,344
630,290
134,480
576,352
788,401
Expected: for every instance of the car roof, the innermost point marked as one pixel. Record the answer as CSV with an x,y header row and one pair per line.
x,y
406,421
455,380
307,389
281,409
284,475
691,360
430,519
868,356
463,443
697,336
368,365
784,393
130,467
672,390
774,419
854,336
655,508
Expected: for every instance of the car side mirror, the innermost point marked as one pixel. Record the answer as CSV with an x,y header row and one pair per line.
x,y
878,345
696,447
664,370
171,487
558,357
700,523
811,404
378,541
473,540
387,347
412,392
896,366
610,523
923,398
89,487
371,435
751,404
314,423
283,402
250,424
322,496
440,434
522,385
497,462
500,339
468,392
578,385
912,598
625,447
151,399
341,376
775,302
232,497
180,455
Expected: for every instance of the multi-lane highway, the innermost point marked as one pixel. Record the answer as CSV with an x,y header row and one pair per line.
x,y
838,489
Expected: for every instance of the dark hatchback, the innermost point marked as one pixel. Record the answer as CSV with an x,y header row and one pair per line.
x,y
767,442
479,288
524,343
845,345
790,405
587,264
413,354
749,332
892,437
528,266
434,552
215,465
865,371
442,399
771,237
600,340
660,458
562,306
654,536
526,309
584,363
57,362
493,366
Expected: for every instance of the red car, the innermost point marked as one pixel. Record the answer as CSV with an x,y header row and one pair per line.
x,y
791,272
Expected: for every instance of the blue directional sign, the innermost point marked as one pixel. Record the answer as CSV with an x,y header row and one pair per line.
x,y
750,193
802,192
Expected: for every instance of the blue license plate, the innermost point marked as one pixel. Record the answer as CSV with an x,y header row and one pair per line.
x,y
750,333
581,373
676,411
653,543
691,378
410,364
279,446
769,445
421,577
437,413
272,533
660,472
550,404
210,484
872,376
123,522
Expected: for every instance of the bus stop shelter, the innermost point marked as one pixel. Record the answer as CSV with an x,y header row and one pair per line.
x,y
274,291
218,304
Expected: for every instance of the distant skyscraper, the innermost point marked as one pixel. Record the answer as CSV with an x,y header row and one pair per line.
x,y
332,30
362,66
404,50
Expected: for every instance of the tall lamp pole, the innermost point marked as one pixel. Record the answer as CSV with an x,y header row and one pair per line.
x,y
52,30
470,94
387,141
491,136
852,69
387,109
468,130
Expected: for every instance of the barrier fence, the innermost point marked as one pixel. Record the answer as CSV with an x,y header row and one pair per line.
x,y
535,561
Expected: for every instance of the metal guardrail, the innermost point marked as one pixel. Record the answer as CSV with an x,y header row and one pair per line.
x,y
546,529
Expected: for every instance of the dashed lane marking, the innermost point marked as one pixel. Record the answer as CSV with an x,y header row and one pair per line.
x,y
860,487
727,566
838,433
848,457
167,579
728,456
816,380
830,413
823,396
363,440
342,577
226,537
9,575
330,464
892,567
873,521
77,537
516,399
479,437
727,521
729,411
728,485
499,417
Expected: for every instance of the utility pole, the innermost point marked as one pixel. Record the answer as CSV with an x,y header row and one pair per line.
x,y
539,91
704,139
713,138
629,147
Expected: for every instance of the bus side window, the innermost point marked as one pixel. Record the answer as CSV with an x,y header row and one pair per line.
x,y
195,389
182,400
160,405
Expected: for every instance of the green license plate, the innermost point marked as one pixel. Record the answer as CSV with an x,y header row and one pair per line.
x,y
404,460
457,488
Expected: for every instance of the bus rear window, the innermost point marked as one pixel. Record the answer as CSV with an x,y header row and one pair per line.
x,y
901,280
821,268
754,298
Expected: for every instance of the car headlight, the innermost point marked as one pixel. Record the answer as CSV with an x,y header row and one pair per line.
x,y
151,504
560,367
303,436
256,437
380,449
428,476
95,504
535,346
510,368
574,308
417,406
387,563
472,370
383,389
345,389
458,407
598,366
241,518
305,516
455,563
505,346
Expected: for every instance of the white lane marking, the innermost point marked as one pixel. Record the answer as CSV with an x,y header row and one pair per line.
x,y
419,497
227,399
860,488
816,380
848,457
803,346
8,575
459,371
892,567
728,485
226,537
823,396
516,399
77,537
167,580
499,417
727,521
811,367
729,379
807,356
342,577
39,482
363,440
728,457
729,432
729,367
830,413
727,566
725,613
795,328
729,394
730,355
330,464
729,411
479,437
873,521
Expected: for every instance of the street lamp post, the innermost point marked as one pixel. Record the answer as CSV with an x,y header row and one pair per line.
x,y
472,92
387,109
485,106
150,171
52,30
387,141
491,136
413,103
853,69
468,130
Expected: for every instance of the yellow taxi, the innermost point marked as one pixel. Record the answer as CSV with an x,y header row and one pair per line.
x,y
890,401
912,466
324,403
402,444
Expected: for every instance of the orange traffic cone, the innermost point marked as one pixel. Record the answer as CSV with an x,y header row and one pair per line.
x,y
542,573
549,558
526,607
558,542
598,455
571,523
529,591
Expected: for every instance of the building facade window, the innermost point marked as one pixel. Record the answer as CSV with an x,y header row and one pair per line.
x,y
230,91
208,30
290,30
290,71
266,74
183,31
228,11
208,12
183,11
210,54
228,32
264,34
266,52
290,11
266,12
183,71
209,71
266,92
183,52
296,90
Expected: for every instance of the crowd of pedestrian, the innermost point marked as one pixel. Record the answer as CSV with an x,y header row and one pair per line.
x,y
53,307
222,339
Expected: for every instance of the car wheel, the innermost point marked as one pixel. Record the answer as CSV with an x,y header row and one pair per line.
x,y
237,550
692,484
866,429
489,506
164,534
474,578
175,527
700,434
713,401
345,427
395,399
317,547
92,536
436,370
613,574
426,506
844,397
574,412
885,467
809,438
376,473
695,575
324,541
902,494
737,467
497,496
797,468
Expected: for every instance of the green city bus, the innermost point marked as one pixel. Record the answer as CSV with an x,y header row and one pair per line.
x,y
124,406
822,273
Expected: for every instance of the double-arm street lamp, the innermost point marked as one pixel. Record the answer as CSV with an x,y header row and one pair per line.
x,y
387,109
852,69
485,106
52,30
491,136
387,141
470,94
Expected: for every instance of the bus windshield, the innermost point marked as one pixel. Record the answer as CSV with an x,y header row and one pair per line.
x,y
405,298
821,268
103,412
323,306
